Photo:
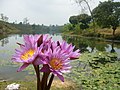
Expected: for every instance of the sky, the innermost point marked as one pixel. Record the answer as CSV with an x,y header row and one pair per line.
x,y
47,12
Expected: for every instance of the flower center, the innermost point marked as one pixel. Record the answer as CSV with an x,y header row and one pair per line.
x,y
28,54
56,63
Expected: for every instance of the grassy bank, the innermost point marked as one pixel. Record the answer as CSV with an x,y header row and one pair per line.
x,y
105,33
57,85
6,28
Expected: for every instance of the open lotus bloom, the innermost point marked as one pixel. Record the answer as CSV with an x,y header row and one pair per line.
x,y
69,49
58,59
28,53
41,50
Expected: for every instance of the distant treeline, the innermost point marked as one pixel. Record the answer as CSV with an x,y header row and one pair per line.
x,y
33,29
6,28
25,27
20,28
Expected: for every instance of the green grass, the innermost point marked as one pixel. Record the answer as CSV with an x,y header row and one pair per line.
x,y
56,85
6,28
23,85
106,33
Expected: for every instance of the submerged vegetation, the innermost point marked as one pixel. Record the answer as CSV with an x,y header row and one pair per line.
x,y
93,71
97,71
97,68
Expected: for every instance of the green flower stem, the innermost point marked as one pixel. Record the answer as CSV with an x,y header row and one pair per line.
x,y
50,82
44,80
38,77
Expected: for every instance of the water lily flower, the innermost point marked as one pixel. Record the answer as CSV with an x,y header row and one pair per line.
x,y
57,62
54,56
28,52
69,49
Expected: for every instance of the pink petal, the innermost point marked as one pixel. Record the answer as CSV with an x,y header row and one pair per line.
x,y
59,74
37,61
63,45
22,67
26,38
60,77
45,68
45,37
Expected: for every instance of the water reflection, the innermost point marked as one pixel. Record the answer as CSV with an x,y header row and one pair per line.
x,y
4,41
112,46
7,49
8,45
93,45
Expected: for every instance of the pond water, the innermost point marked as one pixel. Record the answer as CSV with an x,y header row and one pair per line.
x,y
8,45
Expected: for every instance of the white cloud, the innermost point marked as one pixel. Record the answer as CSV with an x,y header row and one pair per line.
x,y
41,11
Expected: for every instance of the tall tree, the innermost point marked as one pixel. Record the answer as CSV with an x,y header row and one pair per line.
x,y
84,20
3,17
107,14
73,20
25,20
33,26
86,1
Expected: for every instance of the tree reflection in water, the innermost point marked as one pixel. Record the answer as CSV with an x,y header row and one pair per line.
x,y
90,44
4,41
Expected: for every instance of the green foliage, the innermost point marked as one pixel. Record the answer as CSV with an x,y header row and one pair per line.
x,y
97,71
82,20
6,28
83,42
3,17
77,24
23,85
36,29
67,28
26,28
107,14
73,20
84,26
55,29
31,85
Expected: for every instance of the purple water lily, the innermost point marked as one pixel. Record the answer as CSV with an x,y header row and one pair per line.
x,y
30,50
54,56
58,59
69,49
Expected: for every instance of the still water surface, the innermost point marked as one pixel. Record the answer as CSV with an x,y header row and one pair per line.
x,y
8,46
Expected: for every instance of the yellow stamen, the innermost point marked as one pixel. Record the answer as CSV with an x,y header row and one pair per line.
x,y
56,63
28,54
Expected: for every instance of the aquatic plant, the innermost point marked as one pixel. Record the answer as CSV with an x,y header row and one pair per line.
x,y
53,56
96,71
